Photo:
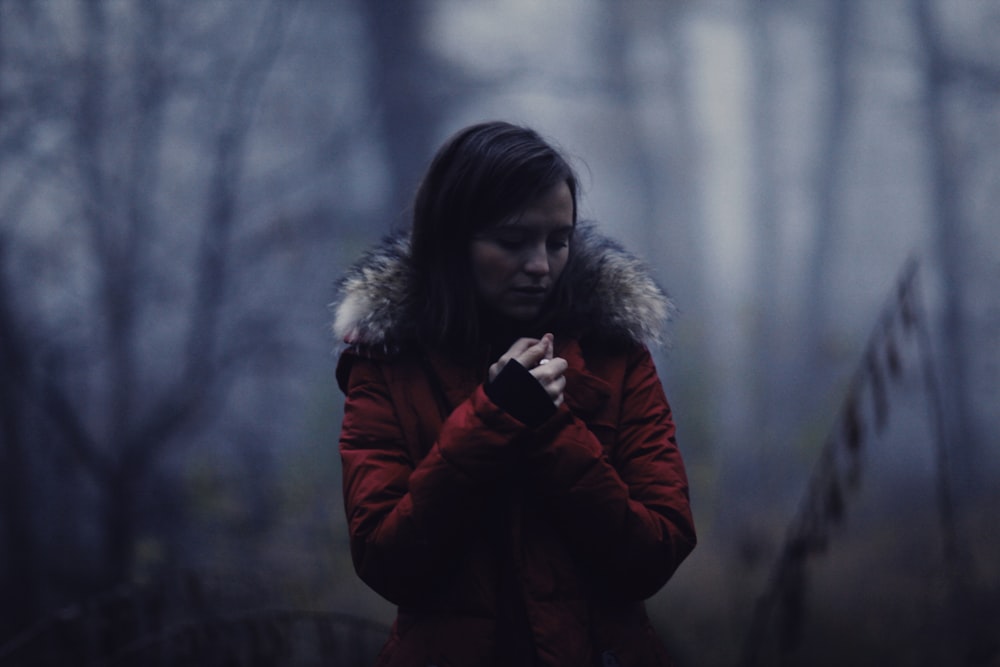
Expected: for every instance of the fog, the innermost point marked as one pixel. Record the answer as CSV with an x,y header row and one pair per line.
x,y
181,185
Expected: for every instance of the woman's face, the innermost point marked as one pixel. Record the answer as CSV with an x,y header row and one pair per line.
x,y
517,262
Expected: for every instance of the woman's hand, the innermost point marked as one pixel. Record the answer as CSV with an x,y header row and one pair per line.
x,y
536,356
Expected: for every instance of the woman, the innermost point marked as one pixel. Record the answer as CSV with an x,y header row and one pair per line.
x,y
511,478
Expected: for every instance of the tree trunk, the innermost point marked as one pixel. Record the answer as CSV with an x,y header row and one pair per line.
x,y
948,230
830,160
406,84
20,574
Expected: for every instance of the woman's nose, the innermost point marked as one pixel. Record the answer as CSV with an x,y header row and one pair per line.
x,y
537,261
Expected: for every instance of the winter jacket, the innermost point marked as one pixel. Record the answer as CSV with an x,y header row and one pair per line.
x,y
509,535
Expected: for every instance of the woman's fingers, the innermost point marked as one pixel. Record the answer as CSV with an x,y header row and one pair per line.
x,y
558,398
549,340
536,355
518,348
495,371
532,355
551,376
551,371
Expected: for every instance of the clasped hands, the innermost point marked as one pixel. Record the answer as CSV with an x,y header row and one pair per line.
x,y
536,356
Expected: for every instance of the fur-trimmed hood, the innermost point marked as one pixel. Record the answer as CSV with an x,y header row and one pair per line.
x,y
616,297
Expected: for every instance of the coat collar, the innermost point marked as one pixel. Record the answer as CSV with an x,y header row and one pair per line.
x,y
616,297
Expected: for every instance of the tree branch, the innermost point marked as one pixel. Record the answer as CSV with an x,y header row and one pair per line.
x,y
63,416
980,74
230,145
196,395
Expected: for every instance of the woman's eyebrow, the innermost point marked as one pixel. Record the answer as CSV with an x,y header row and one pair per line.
x,y
520,226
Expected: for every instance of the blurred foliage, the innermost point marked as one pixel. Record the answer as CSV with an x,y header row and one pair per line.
x,y
181,184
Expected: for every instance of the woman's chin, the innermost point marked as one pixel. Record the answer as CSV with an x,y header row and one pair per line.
x,y
522,313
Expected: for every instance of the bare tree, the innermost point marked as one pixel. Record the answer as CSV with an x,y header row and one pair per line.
x,y
408,86
948,224
834,128
147,335
661,154
21,574
948,176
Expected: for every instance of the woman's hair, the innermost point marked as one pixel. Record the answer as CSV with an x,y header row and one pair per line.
x,y
481,176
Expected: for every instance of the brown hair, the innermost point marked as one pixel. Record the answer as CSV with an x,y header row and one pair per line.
x,y
482,175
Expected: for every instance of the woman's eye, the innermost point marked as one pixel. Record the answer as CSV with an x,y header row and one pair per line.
x,y
558,243
509,243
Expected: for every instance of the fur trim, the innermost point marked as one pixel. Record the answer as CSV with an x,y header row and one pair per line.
x,y
616,297
375,295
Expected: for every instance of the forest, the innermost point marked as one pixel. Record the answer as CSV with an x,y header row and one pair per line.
x,y
182,183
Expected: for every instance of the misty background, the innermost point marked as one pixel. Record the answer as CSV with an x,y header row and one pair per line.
x,y
815,183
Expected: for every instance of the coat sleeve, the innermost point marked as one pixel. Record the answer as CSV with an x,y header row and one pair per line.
x,y
406,516
628,517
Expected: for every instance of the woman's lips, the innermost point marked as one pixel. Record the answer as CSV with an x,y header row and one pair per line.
x,y
528,296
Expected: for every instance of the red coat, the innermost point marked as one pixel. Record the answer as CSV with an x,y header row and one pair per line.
x,y
494,537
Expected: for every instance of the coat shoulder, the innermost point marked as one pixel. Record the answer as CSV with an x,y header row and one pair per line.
x,y
617,301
